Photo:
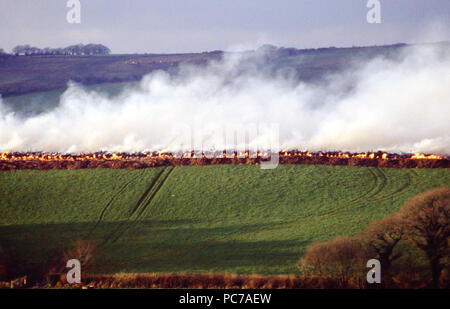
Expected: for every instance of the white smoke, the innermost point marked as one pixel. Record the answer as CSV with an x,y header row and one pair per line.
x,y
395,106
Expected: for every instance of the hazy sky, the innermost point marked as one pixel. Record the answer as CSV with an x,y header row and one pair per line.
x,y
199,25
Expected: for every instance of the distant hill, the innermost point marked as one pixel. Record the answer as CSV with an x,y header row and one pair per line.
x,y
28,74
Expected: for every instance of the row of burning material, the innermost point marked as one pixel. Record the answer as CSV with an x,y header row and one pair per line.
x,y
105,156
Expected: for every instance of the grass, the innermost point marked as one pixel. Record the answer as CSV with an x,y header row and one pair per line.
x,y
191,219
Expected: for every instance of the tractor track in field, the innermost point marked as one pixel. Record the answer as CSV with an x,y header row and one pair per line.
x,y
367,193
409,182
110,202
380,181
378,188
140,207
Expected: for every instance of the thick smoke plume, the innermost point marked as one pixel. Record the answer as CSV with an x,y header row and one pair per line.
x,y
400,105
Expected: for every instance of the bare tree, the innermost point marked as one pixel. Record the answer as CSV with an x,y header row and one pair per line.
x,y
382,237
86,252
427,219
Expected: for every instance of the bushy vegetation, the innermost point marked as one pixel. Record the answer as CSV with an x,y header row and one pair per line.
x,y
423,221
73,50
201,281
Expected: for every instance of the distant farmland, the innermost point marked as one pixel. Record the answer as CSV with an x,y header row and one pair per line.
x,y
192,219
30,74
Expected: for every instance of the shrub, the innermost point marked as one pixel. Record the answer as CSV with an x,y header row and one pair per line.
x,y
427,219
341,258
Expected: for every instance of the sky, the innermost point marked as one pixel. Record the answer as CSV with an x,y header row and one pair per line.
x,y
171,26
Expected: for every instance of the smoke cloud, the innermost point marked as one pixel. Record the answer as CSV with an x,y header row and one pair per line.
x,y
400,105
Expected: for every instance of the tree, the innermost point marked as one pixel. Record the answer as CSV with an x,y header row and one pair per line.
x,y
57,51
21,50
34,51
427,219
95,49
88,49
46,51
341,258
103,50
84,251
382,237
72,50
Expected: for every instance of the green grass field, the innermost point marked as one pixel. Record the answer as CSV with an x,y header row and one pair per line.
x,y
227,219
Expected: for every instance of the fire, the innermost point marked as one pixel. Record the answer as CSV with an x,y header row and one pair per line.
x,y
426,157
7,156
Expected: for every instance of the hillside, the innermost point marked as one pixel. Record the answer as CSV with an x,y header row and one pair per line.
x,y
29,74
220,218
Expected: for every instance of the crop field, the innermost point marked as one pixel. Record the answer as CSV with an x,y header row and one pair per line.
x,y
199,219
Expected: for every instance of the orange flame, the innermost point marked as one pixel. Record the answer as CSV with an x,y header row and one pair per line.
x,y
426,157
7,156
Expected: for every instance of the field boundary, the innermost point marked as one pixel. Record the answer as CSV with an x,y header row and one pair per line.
x,y
222,281
42,161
